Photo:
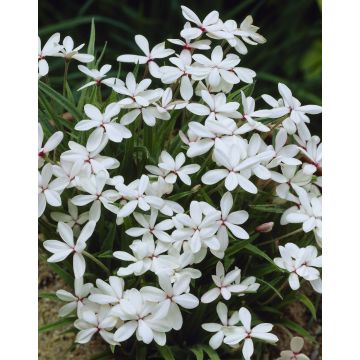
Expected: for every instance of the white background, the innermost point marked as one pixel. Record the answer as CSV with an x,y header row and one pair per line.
x,y
18,217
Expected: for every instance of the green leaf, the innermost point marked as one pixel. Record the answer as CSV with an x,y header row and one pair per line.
x,y
199,354
256,251
47,295
271,287
166,352
56,325
61,272
298,329
60,100
100,56
269,208
307,302
213,355
141,352
234,249
109,240
91,45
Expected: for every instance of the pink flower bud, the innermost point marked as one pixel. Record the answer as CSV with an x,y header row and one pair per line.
x,y
266,227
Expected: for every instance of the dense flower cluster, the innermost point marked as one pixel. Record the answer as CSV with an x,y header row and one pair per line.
x,y
244,149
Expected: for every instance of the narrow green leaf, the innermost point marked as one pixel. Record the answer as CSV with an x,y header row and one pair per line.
x,y
267,208
256,251
47,295
60,100
298,329
56,325
98,60
307,302
271,287
109,240
141,352
213,355
199,354
166,352
91,45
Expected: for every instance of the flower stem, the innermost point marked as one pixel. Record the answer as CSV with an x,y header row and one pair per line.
x,y
282,237
66,69
275,295
98,262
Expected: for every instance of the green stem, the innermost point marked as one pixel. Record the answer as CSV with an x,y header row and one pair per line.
x,y
275,295
98,262
66,70
282,237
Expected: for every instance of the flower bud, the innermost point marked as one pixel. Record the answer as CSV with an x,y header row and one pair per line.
x,y
266,227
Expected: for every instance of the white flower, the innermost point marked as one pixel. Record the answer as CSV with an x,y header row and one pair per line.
x,y
108,293
221,330
197,228
104,124
248,32
49,192
167,104
250,282
236,163
208,134
98,76
91,322
94,186
248,109
147,256
312,149
136,93
237,36
171,298
309,212
182,71
61,250
53,141
160,188
284,154
170,169
224,284
187,44
216,68
73,218
291,106
90,159
135,193
68,51
289,178
300,262
149,227
68,170
77,301
210,24
179,265
227,221
157,52
296,344
246,333
140,316
51,48
232,220
217,108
